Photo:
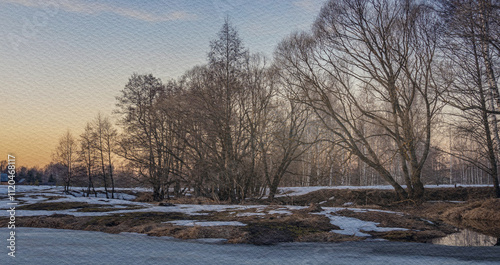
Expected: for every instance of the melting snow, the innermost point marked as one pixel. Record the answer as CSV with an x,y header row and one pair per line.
x,y
35,194
353,226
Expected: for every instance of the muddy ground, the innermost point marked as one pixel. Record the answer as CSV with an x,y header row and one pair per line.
x,y
444,211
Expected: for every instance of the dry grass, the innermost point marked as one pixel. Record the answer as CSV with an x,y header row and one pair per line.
x,y
480,215
53,197
148,197
227,232
80,206
194,200
364,197
107,209
143,197
373,198
59,221
410,236
296,227
327,237
488,210
54,206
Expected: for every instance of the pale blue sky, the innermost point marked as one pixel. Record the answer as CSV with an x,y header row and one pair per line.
x,y
62,61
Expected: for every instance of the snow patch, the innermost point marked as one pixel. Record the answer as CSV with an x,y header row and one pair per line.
x,y
353,226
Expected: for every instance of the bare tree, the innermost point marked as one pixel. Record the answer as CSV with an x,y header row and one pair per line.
x,y
151,129
227,58
99,144
53,170
371,62
474,91
140,143
110,141
105,137
88,156
235,124
287,143
65,154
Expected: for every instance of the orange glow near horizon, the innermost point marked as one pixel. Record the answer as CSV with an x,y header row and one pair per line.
x,y
32,146
32,125
61,65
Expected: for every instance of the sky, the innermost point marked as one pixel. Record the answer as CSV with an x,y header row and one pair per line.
x,y
63,61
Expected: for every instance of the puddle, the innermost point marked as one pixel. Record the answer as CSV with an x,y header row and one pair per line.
x,y
467,238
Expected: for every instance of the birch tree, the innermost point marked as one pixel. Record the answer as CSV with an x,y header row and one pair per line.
x,y
469,44
88,156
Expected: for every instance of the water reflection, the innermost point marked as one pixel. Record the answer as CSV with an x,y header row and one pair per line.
x,y
467,238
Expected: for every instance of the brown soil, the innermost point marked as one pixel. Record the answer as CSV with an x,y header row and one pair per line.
x,y
383,198
80,206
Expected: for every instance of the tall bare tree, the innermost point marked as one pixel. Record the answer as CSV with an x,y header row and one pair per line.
x,y
88,156
474,93
105,141
371,62
226,62
141,144
99,136
110,135
66,154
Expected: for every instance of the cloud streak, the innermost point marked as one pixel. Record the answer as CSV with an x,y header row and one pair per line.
x,y
93,8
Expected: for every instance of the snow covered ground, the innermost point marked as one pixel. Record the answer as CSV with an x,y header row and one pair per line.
x,y
56,246
42,194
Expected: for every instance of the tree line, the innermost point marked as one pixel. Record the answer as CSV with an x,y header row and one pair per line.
x,y
369,93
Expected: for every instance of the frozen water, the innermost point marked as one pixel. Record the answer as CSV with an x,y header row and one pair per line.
x,y
51,246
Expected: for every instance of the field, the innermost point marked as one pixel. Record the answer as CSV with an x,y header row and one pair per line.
x,y
311,214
